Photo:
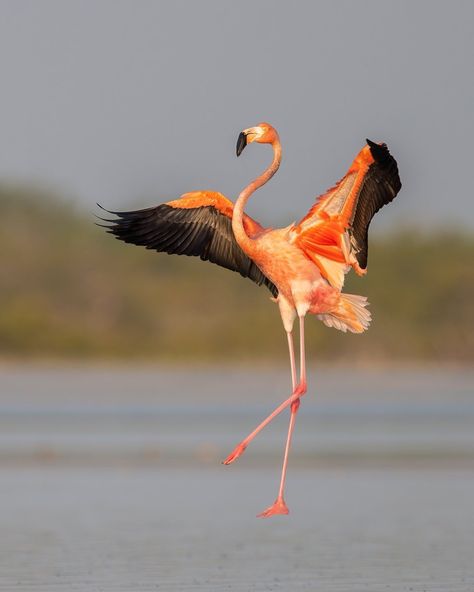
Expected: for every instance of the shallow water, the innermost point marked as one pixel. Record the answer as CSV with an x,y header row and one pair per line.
x,y
110,480
140,529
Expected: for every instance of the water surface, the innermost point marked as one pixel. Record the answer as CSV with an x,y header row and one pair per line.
x,y
111,480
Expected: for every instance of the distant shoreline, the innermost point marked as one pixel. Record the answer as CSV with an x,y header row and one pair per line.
x,y
71,293
253,364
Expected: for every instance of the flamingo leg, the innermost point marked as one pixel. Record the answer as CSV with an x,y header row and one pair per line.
x,y
298,392
279,506
291,351
240,448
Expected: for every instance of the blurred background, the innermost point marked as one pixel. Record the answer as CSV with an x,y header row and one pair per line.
x,y
126,375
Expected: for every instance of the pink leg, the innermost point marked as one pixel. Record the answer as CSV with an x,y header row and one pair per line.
x,y
297,392
302,356
292,360
279,506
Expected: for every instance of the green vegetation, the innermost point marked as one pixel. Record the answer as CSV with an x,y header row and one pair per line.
x,y
70,290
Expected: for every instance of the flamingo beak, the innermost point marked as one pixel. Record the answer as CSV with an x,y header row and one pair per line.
x,y
241,143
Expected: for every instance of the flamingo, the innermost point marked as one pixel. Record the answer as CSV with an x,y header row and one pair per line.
x,y
303,265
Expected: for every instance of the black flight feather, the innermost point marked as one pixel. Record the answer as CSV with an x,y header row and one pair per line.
x,y
381,184
199,232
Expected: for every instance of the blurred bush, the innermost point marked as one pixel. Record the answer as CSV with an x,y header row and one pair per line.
x,y
70,290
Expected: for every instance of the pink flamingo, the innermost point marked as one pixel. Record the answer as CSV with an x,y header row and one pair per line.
x,y
303,265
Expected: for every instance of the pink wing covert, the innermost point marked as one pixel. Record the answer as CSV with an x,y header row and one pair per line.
x,y
334,233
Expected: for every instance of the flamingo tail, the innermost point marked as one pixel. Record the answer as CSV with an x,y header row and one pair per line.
x,y
350,314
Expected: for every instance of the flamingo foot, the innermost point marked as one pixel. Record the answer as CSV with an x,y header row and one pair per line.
x,y
234,455
278,507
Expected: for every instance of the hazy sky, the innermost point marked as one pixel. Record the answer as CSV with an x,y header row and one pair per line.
x,y
129,102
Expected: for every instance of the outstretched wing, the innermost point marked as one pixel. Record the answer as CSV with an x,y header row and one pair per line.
x,y
334,233
198,224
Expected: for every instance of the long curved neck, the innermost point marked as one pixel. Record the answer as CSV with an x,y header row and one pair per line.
x,y
241,236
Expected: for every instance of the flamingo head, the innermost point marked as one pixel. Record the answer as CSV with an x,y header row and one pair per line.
x,y
263,133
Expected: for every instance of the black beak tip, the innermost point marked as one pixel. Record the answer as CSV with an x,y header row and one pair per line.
x,y
241,143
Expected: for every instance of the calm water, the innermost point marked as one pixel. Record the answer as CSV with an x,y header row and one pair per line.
x,y
110,480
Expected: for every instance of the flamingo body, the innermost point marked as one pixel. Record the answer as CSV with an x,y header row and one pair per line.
x,y
300,284
303,265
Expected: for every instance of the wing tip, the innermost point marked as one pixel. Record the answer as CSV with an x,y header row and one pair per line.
x,y
379,151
